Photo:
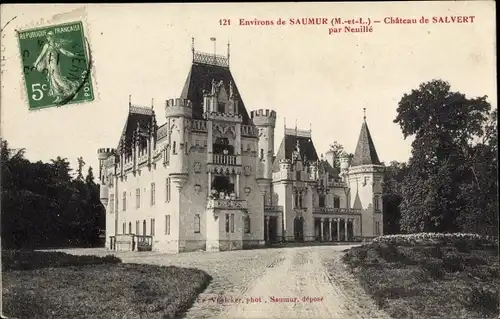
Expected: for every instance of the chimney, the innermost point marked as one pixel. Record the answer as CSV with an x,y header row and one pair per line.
x,y
330,157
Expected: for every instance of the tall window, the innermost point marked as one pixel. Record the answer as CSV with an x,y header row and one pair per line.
x,y
167,190
376,203
221,107
261,153
321,200
153,194
197,223
377,228
232,223
144,228
124,228
137,227
152,222
167,224
300,200
336,202
246,223
227,223
130,227
167,156
297,173
111,203
173,148
124,201
138,198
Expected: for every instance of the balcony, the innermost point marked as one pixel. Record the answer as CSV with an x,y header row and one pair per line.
x,y
221,159
332,210
273,209
216,203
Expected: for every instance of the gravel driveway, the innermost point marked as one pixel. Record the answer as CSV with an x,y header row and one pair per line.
x,y
298,282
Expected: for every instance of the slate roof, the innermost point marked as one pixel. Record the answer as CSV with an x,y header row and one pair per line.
x,y
365,153
287,147
199,78
136,115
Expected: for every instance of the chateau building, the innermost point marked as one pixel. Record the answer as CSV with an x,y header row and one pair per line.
x,y
209,178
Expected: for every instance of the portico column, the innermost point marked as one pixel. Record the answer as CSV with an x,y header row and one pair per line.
x,y
209,183
237,190
345,228
338,229
267,227
330,230
322,225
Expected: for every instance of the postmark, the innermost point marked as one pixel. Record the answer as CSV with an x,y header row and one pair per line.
x,y
56,63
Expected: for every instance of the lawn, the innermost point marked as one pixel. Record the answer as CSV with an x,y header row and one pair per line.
x,y
100,288
430,276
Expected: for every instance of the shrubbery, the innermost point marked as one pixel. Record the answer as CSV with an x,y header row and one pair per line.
x,y
460,240
430,274
29,259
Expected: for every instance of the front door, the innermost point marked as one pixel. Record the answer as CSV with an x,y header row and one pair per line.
x,y
298,228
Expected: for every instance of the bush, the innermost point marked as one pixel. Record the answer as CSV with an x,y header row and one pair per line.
x,y
29,259
434,268
437,238
484,299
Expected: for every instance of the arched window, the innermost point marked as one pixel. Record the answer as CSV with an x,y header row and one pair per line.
x,y
130,228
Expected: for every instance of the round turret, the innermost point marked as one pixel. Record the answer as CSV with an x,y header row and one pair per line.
x,y
104,153
178,108
263,117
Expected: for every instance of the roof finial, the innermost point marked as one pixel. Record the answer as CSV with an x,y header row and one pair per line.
x,y
215,45
364,114
192,46
130,100
228,51
295,127
152,103
310,128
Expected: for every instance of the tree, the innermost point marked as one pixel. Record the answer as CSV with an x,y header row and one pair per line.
x,y
392,196
42,206
448,128
338,150
81,164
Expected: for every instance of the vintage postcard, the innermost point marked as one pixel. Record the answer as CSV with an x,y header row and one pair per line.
x,y
250,160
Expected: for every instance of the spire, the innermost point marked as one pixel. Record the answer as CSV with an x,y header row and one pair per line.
x,y
365,153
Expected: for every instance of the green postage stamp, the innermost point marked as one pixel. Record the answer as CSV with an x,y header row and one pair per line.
x,y
56,65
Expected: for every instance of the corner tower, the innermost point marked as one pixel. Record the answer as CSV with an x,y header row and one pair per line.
x,y
178,113
364,177
265,121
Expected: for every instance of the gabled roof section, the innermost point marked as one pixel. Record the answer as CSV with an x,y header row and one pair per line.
x,y
200,78
137,115
365,153
288,145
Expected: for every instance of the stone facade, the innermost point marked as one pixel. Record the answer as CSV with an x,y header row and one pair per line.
x,y
209,179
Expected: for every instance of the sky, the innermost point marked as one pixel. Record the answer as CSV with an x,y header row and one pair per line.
x,y
306,75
